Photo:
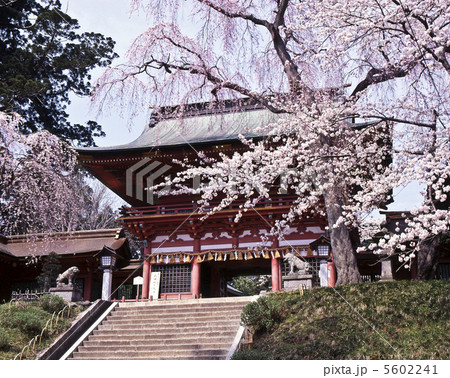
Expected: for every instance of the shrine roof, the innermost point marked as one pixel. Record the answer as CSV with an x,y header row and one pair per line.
x,y
197,124
202,123
62,243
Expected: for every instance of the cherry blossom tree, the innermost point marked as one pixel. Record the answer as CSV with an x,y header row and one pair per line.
x,y
41,187
98,206
361,89
36,180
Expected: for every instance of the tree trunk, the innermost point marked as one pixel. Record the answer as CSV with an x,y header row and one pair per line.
x,y
341,245
428,258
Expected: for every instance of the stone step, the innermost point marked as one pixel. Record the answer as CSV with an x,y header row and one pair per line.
x,y
172,355
146,312
137,335
173,325
143,353
157,322
141,348
186,330
175,310
173,319
190,302
164,308
158,342
163,330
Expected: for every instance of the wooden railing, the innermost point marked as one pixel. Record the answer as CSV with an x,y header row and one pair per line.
x,y
167,209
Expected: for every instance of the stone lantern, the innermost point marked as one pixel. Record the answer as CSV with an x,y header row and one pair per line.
x,y
108,258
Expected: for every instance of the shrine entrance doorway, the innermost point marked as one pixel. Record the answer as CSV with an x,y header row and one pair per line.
x,y
217,276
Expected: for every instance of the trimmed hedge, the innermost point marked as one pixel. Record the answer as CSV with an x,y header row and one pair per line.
x,y
51,303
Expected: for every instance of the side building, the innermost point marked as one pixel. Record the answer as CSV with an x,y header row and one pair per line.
x,y
22,256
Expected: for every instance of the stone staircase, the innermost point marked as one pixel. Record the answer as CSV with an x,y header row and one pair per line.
x,y
197,329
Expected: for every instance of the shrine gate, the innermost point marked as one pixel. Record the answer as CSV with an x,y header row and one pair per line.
x,y
196,256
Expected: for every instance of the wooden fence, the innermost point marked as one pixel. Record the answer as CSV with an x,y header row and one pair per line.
x,y
27,295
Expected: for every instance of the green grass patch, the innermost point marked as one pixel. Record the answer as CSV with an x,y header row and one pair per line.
x,y
380,320
20,322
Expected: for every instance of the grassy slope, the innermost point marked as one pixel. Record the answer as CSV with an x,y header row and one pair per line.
x,y
20,322
405,320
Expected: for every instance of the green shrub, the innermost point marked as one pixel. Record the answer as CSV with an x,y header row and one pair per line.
x,y
30,320
262,314
4,340
51,303
249,355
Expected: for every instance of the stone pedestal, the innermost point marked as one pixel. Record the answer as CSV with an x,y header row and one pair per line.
x,y
68,293
297,281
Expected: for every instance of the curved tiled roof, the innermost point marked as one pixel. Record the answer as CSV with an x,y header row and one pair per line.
x,y
203,123
70,243
202,128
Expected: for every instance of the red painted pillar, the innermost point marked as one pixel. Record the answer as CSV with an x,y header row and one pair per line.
x,y
276,276
275,265
146,271
195,270
331,272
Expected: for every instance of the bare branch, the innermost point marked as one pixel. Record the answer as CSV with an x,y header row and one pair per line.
x,y
376,76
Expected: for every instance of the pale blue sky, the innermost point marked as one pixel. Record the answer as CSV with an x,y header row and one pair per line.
x,y
112,19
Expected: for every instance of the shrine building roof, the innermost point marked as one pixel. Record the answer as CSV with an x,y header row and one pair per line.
x,y
171,134
201,123
198,124
63,243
